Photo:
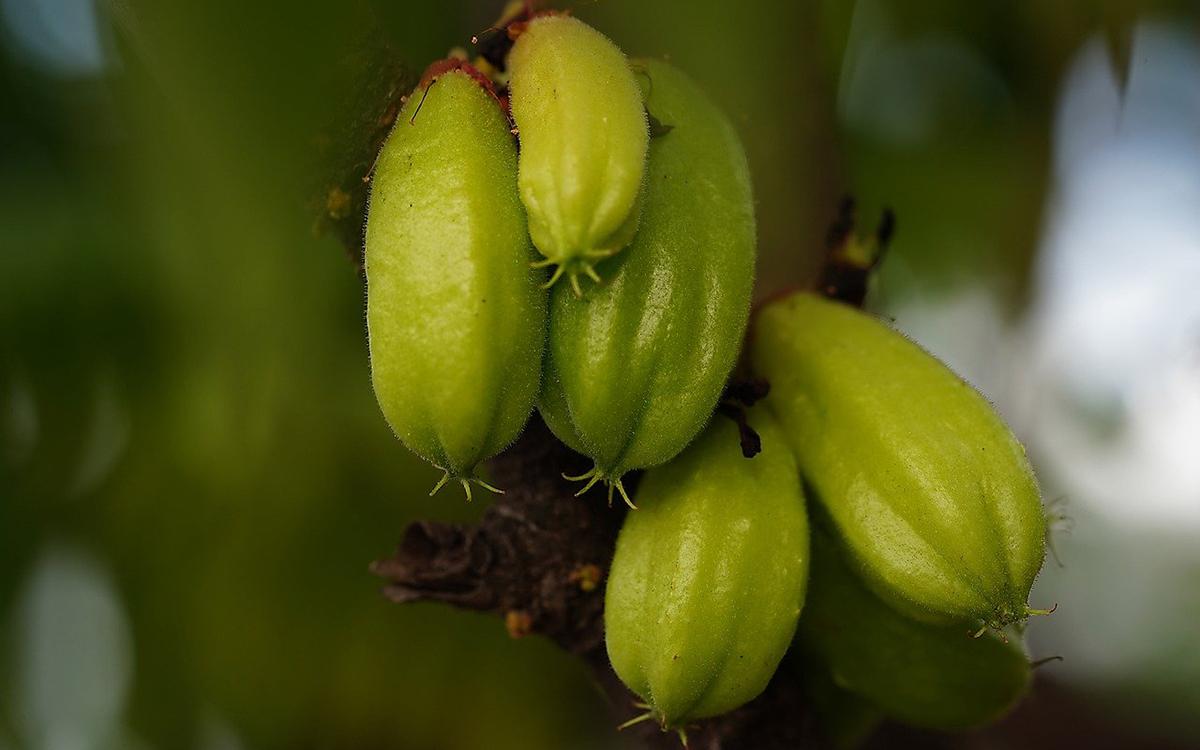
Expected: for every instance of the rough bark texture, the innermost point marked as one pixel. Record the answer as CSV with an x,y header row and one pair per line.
x,y
537,557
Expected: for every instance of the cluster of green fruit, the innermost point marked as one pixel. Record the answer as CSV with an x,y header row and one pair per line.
x,y
909,591
467,332
634,188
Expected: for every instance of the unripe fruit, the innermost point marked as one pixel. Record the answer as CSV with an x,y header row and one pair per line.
x,y
634,370
708,577
932,676
927,487
455,317
584,135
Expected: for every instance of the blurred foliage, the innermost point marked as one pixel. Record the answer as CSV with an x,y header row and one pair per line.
x,y
184,390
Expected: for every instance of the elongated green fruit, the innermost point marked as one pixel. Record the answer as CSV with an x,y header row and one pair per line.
x,y
584,135
927,487
455,317
709,574
635,369
932,676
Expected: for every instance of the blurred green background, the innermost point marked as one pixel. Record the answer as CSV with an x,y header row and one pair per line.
x,y
193,471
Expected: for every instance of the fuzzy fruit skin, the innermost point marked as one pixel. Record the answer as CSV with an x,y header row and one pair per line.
x,y
584,138
455,318
927,487
708,577
635,368
932,676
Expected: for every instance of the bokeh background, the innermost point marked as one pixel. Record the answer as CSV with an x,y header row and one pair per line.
x,y
193,471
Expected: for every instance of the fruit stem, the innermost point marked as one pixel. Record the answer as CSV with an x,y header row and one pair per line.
x,y
852,257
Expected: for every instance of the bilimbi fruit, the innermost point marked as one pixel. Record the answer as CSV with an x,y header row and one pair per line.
x,y
584,136
709,575
932,676
934,519
455,316
634,370
927,488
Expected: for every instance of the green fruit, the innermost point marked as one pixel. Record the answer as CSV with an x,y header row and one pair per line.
x,y
932,676
635,369
584,135
708,576
455,317
927,487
